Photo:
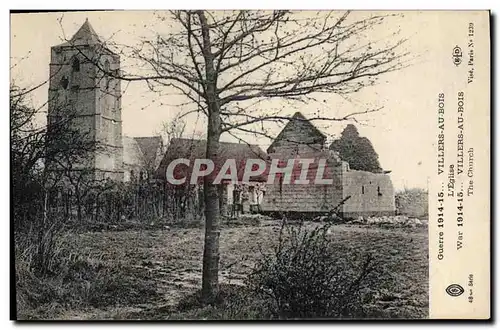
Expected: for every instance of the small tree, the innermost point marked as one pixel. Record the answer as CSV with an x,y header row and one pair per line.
x,y
356,150
26,154
42,156
36,233
174,129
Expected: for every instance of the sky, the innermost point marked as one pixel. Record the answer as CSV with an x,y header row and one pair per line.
x,y
401,132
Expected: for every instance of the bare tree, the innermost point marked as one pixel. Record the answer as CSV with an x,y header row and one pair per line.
x,y
174,129
44,155
227,63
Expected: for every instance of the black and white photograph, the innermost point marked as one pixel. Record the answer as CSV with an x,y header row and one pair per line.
x,y
249,164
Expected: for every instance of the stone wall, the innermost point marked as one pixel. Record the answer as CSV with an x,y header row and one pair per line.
x,y
301,198
311,197
371,194
413,202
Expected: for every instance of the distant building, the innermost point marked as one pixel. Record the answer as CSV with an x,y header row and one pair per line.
x,y
233,197
141,157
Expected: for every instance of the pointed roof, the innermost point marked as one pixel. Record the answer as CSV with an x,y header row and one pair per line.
x,y
299,116
305,124
86,35
149,146
142,151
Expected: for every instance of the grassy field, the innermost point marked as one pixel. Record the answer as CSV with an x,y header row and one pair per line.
x,y
152,270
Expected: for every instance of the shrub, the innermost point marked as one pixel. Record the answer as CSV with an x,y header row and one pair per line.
x,y
305,278
41,247
412,202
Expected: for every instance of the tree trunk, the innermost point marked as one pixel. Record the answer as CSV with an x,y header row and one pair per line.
x,y
210,282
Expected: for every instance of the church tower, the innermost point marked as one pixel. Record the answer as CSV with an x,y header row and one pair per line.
x,y
85,96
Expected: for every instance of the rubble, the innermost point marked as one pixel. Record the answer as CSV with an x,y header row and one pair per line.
x,y
396,220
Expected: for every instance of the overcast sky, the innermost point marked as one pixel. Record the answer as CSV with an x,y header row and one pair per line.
x,y
402,133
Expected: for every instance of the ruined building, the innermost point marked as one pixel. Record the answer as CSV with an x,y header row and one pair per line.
x,y
354,193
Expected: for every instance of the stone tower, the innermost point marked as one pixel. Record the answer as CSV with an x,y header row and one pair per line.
x,y
85,94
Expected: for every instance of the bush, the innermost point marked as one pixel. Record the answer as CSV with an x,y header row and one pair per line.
x,y
41,247
305,278
412,202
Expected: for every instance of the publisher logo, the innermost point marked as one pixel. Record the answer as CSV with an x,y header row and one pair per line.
x,y
457,55
454,290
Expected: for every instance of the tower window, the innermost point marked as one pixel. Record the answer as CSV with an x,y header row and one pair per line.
x,y
107,68
362,189
378,191
75,65
64,82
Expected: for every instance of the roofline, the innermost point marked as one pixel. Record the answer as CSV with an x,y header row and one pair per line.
x,y
294,117
204,140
